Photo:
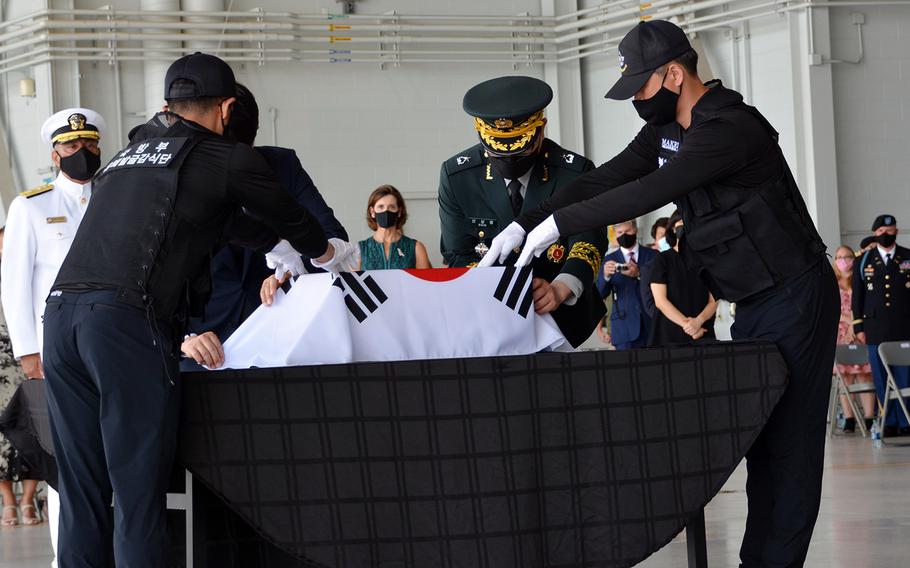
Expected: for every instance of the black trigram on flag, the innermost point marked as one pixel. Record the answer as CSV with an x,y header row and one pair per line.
x,y
366,290
513,283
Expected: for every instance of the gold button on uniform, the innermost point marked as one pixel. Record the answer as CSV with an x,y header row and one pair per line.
x,y
887,304
887,277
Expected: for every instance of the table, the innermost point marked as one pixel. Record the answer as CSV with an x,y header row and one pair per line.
x,y
582,459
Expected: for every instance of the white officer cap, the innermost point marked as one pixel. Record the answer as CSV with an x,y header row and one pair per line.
x,y
73,123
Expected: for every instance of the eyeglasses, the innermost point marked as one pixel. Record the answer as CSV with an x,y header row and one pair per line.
x,y
843,258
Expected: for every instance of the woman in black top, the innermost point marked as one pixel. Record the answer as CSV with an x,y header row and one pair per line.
x,y
685,307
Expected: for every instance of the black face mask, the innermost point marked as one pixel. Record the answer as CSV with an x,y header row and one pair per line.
x,y
387,219
82,165
626,241
674,236
886,240
659,109
513,167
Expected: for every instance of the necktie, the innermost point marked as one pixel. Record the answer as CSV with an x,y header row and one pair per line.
x,y
515,196
632,256
887,259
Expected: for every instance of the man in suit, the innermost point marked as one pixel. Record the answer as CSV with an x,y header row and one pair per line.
x,y
238,272
881,306
513,169
620,277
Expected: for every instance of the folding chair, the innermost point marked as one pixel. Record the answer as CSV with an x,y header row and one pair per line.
x,y
184,502
848,355
894,354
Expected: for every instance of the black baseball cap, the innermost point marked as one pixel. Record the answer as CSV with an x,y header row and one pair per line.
x,y
648,46
210,77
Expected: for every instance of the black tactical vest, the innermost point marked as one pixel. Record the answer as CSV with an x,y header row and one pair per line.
x,y
121,237
742,241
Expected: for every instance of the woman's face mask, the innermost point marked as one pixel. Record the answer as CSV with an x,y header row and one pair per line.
x,y
844,264
662,244
387,219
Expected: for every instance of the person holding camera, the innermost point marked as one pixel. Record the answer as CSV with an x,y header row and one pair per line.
x,y
619,278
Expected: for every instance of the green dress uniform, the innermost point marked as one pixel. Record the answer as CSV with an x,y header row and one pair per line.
x,y
476,203
474,206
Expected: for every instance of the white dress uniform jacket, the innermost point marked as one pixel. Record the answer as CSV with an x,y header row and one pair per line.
x,y
40,227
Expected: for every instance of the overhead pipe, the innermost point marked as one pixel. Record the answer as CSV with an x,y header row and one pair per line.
x,y
324,59
286,15
627,17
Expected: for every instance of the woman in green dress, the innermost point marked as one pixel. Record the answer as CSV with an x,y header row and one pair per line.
x,y
389,247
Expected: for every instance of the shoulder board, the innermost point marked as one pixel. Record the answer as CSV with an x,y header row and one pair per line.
x,y
28,194
555,155
471,158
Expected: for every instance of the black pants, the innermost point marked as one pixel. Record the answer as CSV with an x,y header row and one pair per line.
x,y
785,463
114,419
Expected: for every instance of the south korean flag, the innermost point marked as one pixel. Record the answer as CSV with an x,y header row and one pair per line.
x,y
396,315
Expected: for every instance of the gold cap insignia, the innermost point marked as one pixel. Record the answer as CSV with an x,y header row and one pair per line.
x,y
502,123
77,121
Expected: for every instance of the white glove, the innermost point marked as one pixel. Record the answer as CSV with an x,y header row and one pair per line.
x,y
283,258
538,240
502,244
345,259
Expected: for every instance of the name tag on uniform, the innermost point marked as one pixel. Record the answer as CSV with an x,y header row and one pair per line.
x,y
52,220
481,223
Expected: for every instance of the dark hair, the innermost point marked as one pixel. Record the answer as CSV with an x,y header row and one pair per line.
x,y
244,116
193,104
670,235
689,61
378,194
661,222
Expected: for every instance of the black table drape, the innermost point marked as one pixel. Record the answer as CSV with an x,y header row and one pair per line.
x,y
582,459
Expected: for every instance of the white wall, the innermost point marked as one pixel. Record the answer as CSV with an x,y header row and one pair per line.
x,y
872,120
358,126
354,126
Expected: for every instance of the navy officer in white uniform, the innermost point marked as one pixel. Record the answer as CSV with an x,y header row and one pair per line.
x,y
40,227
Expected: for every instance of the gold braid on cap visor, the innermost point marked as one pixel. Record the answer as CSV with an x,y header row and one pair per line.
x,y
526,131
67,136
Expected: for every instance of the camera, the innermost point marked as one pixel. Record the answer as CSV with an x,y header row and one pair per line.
x,y
621,267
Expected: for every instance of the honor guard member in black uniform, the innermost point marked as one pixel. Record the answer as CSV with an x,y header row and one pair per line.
x,y
138,265
513,169
881,306
718,159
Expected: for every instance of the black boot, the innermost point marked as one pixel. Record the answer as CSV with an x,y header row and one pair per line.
x,y
850,425
869,422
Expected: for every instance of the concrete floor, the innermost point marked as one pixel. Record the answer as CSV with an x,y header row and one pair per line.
x,y
864,521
